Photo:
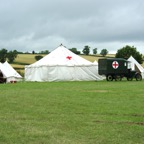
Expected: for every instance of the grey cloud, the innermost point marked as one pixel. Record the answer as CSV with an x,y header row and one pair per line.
x,y
28,25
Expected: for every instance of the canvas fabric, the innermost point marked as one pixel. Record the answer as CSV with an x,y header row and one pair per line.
x,y
62,65
9,73
136,66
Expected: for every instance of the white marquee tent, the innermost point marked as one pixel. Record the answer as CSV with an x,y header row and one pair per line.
x,y
136,66
9,73
62,65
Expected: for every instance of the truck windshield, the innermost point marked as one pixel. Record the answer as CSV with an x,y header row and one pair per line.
x,y
129,65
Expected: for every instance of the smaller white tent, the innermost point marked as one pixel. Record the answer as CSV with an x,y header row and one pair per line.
x,y
136,66
9,73
95,62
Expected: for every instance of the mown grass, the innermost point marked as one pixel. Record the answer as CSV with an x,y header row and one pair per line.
x,y
72,113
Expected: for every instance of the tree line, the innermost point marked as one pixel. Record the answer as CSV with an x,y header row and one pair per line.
x,y
10,55
86,51
124,52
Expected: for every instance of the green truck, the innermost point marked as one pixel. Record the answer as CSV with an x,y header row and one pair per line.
x,y
116,69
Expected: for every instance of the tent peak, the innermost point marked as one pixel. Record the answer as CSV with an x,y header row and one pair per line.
x,y
62,45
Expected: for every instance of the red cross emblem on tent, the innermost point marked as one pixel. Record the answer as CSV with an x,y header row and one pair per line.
x,y
69,57
115,64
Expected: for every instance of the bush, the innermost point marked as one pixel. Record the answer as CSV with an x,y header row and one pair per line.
x,y
38,57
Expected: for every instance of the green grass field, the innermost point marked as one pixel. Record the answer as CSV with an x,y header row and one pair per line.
x,y
72,112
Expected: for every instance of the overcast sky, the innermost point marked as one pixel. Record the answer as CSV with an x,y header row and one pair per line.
x,y
27,25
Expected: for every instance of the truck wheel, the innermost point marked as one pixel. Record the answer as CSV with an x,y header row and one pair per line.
x,y
138,77
118,78
129,78
109,78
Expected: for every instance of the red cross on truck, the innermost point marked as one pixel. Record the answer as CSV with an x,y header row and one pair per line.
x,y
115,64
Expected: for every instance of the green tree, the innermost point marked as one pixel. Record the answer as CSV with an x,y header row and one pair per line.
x,y
11,55
128,51
74,50
33,52
86,50
44,52
95,51
3,55
104,52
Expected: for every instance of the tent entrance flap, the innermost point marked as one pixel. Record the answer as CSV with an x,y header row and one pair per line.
x,y
2,79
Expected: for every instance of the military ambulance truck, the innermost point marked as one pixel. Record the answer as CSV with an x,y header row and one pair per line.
x,y
116,69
